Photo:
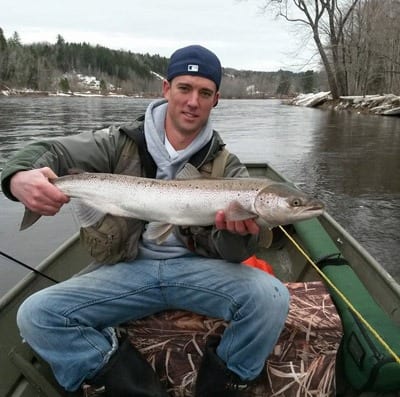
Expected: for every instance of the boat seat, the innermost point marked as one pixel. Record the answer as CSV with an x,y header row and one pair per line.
x,y
302,363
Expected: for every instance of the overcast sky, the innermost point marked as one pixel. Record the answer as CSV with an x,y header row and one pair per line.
x,y
235,30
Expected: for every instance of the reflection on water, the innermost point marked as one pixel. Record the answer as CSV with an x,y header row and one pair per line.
x,y
350,161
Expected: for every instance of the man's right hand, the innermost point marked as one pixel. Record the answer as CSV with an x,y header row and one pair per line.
x,y
33,189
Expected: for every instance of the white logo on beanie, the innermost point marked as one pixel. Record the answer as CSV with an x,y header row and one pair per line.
x,y
193,68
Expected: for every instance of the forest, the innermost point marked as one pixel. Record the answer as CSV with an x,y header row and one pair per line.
x,y
58,67
356,41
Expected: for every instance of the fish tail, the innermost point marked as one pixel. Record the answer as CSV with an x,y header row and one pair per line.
x,y
29,219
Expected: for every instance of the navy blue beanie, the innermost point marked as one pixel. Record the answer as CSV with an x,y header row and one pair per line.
x,y
197,61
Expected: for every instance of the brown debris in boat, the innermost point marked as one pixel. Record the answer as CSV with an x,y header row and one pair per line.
x,y
302,363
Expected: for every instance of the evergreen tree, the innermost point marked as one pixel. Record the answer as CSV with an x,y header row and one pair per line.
x,y
103,86
308,81
64,85
15,40
3,41
284,83
3,57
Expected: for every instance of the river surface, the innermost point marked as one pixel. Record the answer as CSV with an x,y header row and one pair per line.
x,y
350,161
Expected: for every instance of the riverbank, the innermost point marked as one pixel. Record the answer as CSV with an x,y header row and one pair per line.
x,y
8,92
384,105
34,93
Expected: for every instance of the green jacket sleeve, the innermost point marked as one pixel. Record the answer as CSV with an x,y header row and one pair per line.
x,y
96,151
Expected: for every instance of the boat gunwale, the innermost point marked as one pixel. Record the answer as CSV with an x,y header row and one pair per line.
x,y
10,295
365,255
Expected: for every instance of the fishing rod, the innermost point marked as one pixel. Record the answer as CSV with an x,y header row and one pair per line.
x,y
38,272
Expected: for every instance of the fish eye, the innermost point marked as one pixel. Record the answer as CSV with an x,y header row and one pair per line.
x,y
296,202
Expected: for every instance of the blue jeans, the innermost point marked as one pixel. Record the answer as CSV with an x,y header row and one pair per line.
x,y
70,324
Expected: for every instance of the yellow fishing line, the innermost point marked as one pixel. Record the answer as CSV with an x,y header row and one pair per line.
x,y
343,297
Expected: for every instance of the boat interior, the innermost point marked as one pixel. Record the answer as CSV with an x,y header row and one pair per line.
x,y
315,355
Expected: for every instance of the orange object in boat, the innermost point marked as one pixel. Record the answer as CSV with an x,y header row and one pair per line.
x,y
258,263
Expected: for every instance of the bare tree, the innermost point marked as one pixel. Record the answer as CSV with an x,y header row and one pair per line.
x,y
326,20
373,47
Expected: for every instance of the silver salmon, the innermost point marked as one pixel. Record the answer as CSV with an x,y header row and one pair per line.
x,y
184,202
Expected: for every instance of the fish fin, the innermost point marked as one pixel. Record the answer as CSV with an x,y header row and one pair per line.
x,y
236,212
87,215
158,232
264,224
189,171
265,237
29,219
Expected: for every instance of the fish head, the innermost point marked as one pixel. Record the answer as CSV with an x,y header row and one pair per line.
x,y
283,204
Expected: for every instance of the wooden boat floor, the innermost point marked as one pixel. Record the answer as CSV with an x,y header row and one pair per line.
x,y
302,363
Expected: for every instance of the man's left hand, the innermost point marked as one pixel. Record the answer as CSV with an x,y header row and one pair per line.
x,y
247,226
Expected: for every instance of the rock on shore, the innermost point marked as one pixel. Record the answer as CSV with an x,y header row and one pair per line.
x,y
386,105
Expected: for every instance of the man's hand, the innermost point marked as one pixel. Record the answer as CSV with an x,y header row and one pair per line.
x,y
248,226
33,189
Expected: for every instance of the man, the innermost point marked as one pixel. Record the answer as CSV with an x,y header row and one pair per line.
x,y
70,325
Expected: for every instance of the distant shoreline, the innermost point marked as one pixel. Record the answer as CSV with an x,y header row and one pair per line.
x,y
89,94
93,93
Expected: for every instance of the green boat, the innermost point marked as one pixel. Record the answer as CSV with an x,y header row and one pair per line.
x,y
342,335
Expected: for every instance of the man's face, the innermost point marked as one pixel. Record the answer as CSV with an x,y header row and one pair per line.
x,y
190,100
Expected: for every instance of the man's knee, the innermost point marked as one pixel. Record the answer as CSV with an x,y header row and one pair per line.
x,y
32,313
271,297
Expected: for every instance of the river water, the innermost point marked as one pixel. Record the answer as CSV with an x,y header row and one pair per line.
x,y
350,161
